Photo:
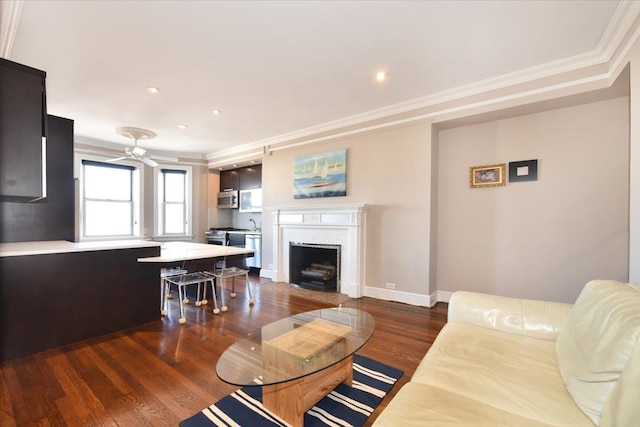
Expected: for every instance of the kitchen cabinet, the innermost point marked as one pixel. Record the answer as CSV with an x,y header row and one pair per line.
x,y
23,124
250,200
229,180
53,299
245,178
237,240
52,218
250,177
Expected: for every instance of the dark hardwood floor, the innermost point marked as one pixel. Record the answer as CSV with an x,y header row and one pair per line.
x,y
162,373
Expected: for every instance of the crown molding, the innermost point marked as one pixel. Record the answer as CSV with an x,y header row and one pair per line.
x,y
10,11
611,41
215,162
180,157
620,24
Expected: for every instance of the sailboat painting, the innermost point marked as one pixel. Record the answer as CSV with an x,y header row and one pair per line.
x,y
320,175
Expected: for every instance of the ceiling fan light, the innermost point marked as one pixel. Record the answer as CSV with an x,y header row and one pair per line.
x,y
135,152
138,151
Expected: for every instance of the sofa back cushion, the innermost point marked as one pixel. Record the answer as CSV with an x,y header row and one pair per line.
x,y
597,342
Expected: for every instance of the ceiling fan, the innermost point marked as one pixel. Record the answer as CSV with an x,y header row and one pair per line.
x,y
135,152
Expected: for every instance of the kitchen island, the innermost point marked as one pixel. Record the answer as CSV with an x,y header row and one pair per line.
x,y
54,293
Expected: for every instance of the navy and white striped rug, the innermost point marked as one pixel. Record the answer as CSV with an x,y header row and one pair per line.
x,y
344,406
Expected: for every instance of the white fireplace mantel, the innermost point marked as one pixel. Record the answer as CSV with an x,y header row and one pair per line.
x,y
343,225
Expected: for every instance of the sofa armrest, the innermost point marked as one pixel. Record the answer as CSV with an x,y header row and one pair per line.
x,y
537,319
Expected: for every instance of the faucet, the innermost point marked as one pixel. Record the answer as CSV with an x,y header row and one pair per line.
x,y
255,226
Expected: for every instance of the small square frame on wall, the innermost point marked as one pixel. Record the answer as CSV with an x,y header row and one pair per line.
x,y
525,170
487,175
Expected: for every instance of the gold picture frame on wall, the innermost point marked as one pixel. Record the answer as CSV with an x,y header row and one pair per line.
x,y
488,175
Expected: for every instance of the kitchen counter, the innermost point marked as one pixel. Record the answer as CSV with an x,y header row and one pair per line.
x,y
63,246
244,232
184,251
81,291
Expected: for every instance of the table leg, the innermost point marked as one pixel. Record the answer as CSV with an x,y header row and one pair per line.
x,y
290,400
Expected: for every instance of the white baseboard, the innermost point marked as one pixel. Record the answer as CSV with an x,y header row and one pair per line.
x,y
399,296
269,274
381,293
443,296
350,289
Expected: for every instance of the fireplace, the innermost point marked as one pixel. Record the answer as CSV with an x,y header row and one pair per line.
x,y
341,225
315,266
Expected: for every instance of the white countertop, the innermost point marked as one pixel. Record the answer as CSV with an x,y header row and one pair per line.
x,y
63,246
245,231
181,251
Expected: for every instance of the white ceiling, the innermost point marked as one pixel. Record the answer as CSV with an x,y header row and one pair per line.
x,y
278,67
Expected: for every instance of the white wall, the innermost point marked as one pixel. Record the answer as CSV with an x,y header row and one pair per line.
x,y
542,239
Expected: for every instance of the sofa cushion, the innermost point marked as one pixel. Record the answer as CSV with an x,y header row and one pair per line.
x,y
419,405
511,373
597,341
538,319
621,409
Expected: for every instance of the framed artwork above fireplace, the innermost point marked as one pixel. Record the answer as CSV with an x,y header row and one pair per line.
x,y
320,175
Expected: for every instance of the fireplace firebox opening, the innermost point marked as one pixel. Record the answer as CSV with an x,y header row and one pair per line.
x,y
315,266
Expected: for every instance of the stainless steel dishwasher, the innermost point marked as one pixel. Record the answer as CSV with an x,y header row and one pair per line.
x,y
254,241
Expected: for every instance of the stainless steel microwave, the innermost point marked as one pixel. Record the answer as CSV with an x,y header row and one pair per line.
x,y
228,199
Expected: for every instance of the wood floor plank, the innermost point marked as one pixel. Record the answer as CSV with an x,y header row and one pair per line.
x,y
163,372
142,403
38,398
173,390
7,415
80,400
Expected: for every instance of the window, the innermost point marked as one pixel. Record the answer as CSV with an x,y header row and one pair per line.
x,y
173,202
108,200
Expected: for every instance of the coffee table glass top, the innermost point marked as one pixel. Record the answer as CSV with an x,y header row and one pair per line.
x,y
295,346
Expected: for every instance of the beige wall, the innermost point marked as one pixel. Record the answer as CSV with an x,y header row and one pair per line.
x,y
200,203
542,239
389,170
634,179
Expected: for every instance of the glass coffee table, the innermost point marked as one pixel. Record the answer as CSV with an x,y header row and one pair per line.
x,y
299,359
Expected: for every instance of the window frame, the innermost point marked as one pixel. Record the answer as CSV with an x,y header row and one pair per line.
x,y
137,197
160,204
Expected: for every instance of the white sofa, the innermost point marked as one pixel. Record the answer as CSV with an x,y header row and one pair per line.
x,y
512,362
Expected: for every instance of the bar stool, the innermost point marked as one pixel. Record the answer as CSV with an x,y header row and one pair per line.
x,y
199,278
223,273
165,289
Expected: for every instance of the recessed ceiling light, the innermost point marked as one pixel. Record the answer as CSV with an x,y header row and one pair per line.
x,y
381,76
216,112
181,126
253,162
153,89
235,165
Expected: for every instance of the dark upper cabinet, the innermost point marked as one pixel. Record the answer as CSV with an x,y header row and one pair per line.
x,y
22,125
229,180
250,177
244,178
52,218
